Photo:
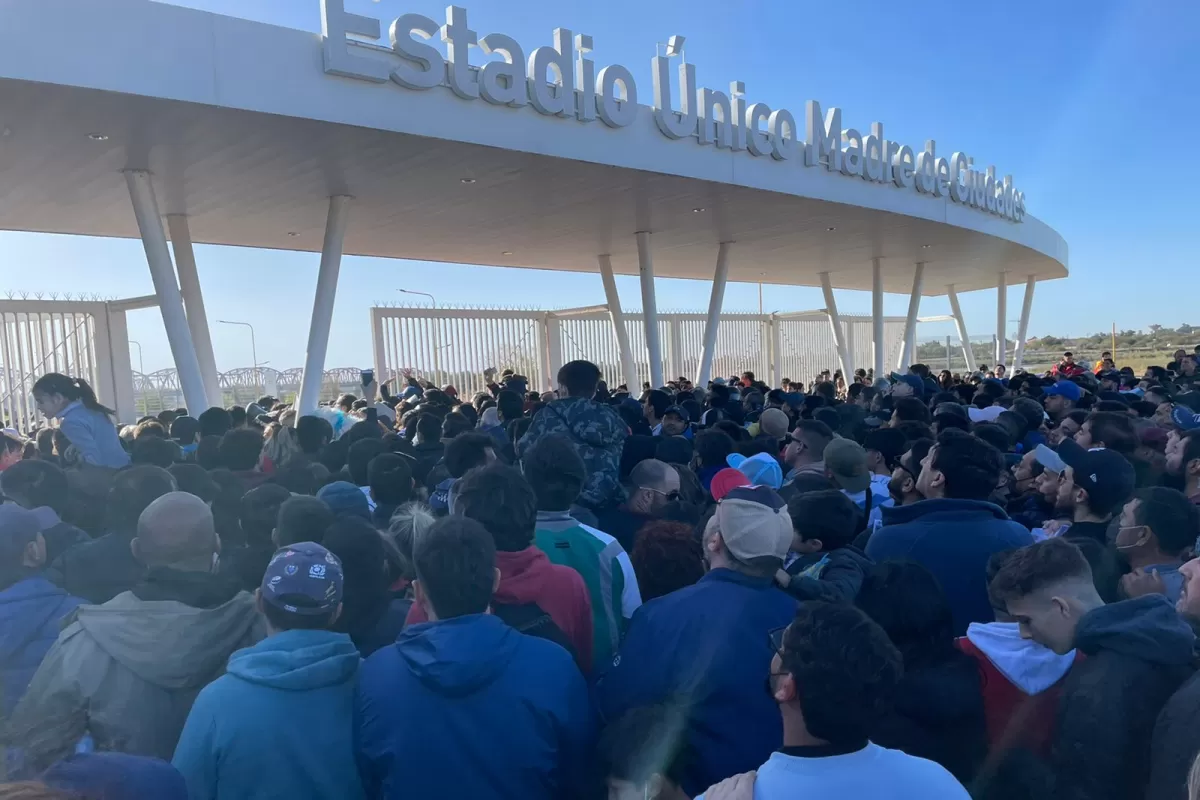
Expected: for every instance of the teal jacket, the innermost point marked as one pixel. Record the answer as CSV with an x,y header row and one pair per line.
x,y
278,724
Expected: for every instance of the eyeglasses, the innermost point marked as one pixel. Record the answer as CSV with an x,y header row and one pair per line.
x,y
670,496
775,639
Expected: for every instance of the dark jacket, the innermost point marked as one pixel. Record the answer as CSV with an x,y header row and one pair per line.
x,y
1138,652
501,715
937,714
598,435
622,524
953,539
372,635
1175,744
835,576
427,454
99,570
706,646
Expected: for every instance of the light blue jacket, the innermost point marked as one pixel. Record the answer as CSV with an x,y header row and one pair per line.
x,y
278,724
93,434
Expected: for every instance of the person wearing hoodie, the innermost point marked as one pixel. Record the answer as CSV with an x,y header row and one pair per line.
x,y
823,564
31,613
937,708
462,705
706,645
123,675
595,430
105,567
428,447
535,595
1022,680
233,744
955,530
1138,652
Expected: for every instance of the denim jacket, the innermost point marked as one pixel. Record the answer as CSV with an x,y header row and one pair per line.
x,y
93,434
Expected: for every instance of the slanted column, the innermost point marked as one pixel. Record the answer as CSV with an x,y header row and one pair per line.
x,y
322,314
193,301
961,324
1023,324
909,350
628,367
715,301
649,309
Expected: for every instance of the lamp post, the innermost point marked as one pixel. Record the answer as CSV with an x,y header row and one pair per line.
x,y
253,348
437,349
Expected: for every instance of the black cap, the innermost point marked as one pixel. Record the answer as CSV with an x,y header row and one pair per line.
x,y
1101,472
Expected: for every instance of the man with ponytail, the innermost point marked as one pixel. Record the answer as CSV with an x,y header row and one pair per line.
x,y
86,424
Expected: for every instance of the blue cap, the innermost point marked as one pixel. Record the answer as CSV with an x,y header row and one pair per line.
x,y
761,468
1185,418
678,411
1066,389
18,527
345,500
304,569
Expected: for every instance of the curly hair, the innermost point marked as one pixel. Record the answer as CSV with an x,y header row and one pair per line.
x,y
666,557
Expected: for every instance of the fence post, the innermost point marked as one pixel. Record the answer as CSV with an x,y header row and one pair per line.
x,y
949,365
377,350
674,325
776,332
554,351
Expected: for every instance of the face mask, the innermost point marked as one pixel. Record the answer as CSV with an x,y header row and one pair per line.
x,y
1136,542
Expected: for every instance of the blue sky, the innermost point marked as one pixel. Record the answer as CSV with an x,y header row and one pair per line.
x,y
1085,102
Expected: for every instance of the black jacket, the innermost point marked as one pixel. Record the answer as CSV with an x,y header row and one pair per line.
x,y
427,456
1176,743
937,714
1138,652
98,570
835,576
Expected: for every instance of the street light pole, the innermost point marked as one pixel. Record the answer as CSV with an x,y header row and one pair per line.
x,y
437,339
253,349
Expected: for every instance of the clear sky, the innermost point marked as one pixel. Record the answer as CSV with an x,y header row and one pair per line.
x,y
1083,101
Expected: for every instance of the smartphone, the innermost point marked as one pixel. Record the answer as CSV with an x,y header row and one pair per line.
x,y
368,377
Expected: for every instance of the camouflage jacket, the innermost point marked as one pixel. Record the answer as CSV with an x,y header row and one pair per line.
x,y
599,436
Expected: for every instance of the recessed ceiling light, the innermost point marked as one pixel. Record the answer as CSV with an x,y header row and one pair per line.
x,y
98,137
293,233
831,229
467,180
926,246
697,210
506,253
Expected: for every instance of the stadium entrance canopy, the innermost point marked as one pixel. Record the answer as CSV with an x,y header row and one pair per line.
x,y
378,138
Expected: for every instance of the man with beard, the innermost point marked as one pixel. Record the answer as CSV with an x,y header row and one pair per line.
x,y
902,486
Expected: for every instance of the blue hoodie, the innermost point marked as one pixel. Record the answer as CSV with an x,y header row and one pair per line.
x,y
277,724
953,539
31,616
469,708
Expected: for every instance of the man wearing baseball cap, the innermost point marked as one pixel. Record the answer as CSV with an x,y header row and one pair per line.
x,y
714,634
284,702
1061,399
846,465
1093,488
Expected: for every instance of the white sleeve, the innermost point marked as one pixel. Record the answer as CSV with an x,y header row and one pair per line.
x,y
631,597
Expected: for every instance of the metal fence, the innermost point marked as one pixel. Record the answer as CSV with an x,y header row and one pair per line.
x,y
459,345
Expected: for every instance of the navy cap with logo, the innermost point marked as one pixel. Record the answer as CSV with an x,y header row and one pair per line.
x,y
1099,471
303,578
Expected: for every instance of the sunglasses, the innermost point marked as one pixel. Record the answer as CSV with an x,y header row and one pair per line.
x,y
670,496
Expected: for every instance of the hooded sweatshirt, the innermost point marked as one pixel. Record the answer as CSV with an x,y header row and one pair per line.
x,y
469,708
126,673
278,724
1022,684
1138,653
528,578
953,539
598,435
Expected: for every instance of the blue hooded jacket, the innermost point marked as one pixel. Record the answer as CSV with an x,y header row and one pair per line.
x,y
31,615
953,539
706,646
469,708
277,724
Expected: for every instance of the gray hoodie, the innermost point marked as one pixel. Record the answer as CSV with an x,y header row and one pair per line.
x,y
126,673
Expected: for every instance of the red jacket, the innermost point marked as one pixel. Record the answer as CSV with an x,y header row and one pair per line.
x,y
527,576
1014,717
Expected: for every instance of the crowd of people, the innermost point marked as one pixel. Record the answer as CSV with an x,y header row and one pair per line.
x,y
897,586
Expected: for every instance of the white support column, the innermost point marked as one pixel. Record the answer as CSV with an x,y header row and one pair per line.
x,y
774,325
650,309
170,301
628,368
835,322
675,339
122,366
378,350
877,342
715,300
1001,318
909,350
961,324
193,301
1023,325
322,314
542,336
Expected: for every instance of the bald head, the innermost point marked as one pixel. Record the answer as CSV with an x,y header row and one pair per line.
x,y
176,530
654,474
